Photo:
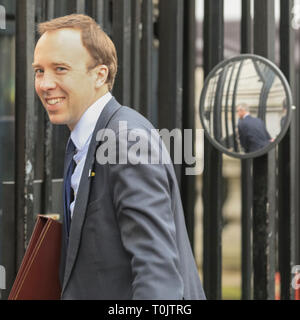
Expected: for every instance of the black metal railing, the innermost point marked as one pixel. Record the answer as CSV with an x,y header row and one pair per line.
x,y
269,184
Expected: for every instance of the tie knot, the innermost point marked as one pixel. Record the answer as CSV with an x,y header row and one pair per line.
x,y
71,147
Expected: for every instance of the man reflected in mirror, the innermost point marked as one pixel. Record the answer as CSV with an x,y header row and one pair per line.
x,y
252,131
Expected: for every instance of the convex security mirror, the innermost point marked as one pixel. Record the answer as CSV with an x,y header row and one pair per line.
x,y
245,106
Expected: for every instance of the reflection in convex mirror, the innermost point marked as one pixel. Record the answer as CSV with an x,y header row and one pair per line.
x,y
245,106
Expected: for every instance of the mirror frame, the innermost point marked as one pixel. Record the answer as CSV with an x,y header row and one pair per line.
x,y
288,93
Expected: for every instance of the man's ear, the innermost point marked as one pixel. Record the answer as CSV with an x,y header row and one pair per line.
x,y
101,73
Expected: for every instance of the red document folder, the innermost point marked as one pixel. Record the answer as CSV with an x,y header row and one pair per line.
x,y
38,276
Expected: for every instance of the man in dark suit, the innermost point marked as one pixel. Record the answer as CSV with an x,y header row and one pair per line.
x,y
252,131
124,231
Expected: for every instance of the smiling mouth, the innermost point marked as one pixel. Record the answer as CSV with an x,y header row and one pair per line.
x,y
54,101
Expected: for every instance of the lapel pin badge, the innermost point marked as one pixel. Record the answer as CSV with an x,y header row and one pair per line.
x,y
91,173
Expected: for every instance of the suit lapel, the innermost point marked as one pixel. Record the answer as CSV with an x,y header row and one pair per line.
x,y
83,192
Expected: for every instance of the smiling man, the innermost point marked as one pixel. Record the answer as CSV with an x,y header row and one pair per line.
x,y
124,234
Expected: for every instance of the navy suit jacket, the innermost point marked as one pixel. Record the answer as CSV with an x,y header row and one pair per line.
x,y
128,238
253,134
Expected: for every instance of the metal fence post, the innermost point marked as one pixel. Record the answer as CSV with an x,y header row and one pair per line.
x,y
188,115
170,67
286,217
246,169
212,175
146,100
25,123
135,54
263,216
121,30
45,11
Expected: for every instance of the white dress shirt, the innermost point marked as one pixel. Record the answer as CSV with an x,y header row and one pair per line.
x,y
81,136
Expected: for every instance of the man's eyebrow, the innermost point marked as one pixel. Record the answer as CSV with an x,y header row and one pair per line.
x,y
60,64
36,65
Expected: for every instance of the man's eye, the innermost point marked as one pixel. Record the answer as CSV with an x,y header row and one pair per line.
x,y
38,71
60,69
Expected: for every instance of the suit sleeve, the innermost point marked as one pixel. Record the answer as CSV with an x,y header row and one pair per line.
x,y
242,136
141,196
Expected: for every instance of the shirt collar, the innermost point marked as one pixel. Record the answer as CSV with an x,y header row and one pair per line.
x,y
87,123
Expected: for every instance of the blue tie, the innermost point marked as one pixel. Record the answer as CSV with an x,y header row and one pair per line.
x,y
68,192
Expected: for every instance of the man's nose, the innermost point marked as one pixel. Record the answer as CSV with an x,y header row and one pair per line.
x,y
47,82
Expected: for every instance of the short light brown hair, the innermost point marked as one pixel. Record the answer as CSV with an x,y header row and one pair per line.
x,y
94,39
